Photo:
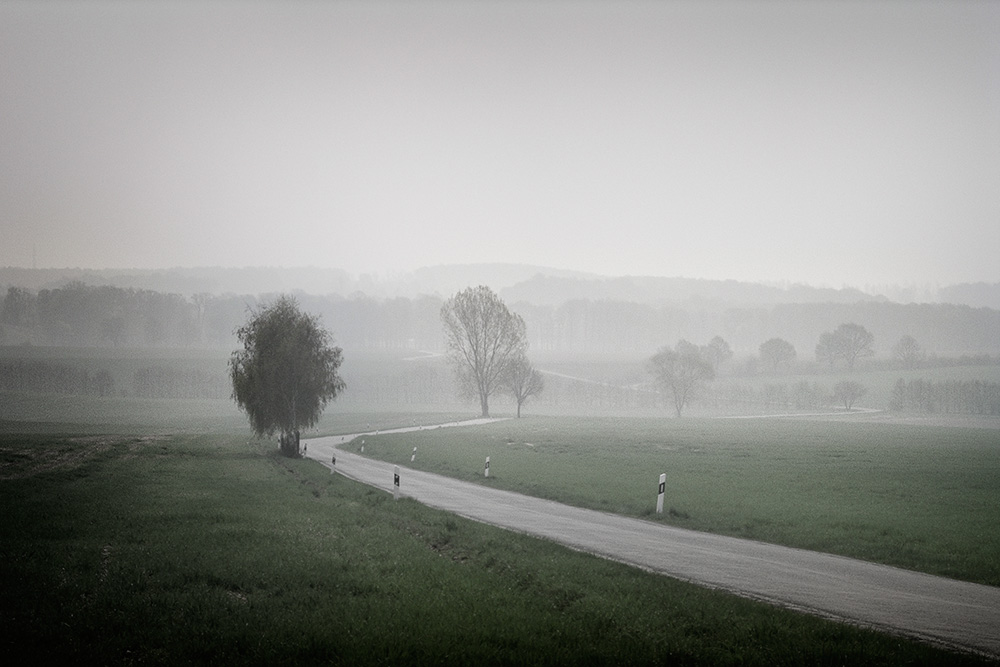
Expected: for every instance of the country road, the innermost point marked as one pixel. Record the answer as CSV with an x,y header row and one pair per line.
x,y
945,611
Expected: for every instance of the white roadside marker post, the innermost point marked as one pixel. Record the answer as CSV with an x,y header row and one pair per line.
x,y
413,456
362,445
659,498
395,482
486,473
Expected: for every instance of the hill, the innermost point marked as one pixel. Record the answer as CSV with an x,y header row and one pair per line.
x,y
537,285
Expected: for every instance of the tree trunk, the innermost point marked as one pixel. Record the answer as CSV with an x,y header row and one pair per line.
x,y
484,404
289,447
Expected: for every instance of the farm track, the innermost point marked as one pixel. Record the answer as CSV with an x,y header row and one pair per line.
x,y
944,611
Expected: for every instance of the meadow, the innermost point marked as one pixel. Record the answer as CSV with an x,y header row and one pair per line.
x,y
159,531
413,381
195,549
918,497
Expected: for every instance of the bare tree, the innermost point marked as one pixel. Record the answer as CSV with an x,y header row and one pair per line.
x,y
681,371
483,338
775,351
908,351
847,392
522,381
847,342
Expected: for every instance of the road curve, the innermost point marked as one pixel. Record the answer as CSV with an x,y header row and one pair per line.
x,y
953,613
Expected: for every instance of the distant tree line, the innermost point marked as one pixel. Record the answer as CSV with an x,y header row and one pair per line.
x,y
84,315
947,397
597,326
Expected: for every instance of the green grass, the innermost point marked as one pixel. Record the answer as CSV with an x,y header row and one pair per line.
x,y
210,549
923,498
117,414
22,411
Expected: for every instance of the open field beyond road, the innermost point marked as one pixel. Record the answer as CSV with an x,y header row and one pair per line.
x,y
921,498
951,612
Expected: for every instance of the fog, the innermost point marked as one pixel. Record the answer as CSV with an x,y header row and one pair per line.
x,y
828,143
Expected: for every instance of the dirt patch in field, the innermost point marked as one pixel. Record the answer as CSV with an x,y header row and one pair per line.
x,y
29,459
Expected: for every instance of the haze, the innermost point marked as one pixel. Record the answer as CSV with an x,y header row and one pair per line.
x,y
828,143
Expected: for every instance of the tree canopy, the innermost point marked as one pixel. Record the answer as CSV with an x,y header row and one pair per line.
x,y
775,351
286,372
483,339
717,352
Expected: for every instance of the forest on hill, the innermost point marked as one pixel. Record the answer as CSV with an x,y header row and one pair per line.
x,y
537,285
79,314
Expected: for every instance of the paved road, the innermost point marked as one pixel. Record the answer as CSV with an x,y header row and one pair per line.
x,y
945,611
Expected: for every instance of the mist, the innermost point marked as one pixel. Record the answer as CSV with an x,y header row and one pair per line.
x,y
734,261
829,144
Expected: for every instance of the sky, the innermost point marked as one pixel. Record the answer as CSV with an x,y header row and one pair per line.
x,y
829,143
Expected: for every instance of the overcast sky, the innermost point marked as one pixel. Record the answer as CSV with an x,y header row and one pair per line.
x,y
828,142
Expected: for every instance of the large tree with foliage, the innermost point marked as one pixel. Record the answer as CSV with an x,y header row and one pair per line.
x,y
522,381
680,371
483,339
717,352
286,372
774,351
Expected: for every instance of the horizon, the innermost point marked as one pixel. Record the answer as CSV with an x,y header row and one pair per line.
x,y
925,289
827,144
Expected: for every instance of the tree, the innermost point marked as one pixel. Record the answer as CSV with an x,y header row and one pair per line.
x,y
18,307
522,381
775,351
847,342
286,372
717,352
483,339
825,348
848,391
908,351
681,370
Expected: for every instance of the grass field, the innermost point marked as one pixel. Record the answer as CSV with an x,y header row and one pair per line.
x,y
156,531
406,380
211,549
923,498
